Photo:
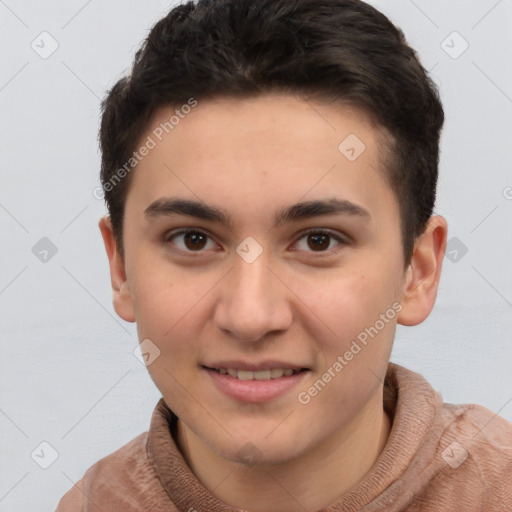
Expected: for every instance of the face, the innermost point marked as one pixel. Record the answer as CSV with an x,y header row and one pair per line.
x,y
257,246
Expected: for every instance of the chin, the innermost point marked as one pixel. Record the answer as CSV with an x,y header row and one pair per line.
x,y
256,450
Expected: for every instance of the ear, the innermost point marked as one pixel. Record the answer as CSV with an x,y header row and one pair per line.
x,y
423,274
122,298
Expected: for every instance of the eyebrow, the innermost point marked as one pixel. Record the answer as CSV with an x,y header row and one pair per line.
x,y
299,211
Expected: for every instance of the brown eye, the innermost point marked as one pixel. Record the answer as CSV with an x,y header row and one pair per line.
x,y
190,240
194,240
319,241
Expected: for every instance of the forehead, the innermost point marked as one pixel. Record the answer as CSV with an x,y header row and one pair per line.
x,y
272,149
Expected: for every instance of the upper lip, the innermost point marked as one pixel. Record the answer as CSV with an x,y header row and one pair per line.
x,y
269,364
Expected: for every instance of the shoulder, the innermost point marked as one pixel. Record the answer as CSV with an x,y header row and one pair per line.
x,y
460,455
486,435
474,456
485,427
483,434
125,478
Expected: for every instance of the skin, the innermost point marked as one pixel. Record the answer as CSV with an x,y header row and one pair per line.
x,y
296,302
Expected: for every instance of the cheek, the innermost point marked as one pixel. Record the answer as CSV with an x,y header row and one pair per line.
x,y
349,304
166,309
164,296
356,350
357,347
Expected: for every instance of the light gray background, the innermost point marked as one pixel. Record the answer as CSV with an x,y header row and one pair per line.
x,y
68,373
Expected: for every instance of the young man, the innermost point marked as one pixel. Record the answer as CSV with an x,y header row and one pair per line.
x,y
270,171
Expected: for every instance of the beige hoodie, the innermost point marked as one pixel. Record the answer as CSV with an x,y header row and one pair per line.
x,y
438,457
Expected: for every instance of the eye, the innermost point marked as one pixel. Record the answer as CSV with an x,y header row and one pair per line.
x,y
195,240
190,240
320,240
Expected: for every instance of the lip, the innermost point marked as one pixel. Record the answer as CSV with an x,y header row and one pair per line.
x,y
254,391
269,364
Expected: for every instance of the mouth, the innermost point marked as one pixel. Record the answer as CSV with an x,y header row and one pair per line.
x,y
268,374
256,384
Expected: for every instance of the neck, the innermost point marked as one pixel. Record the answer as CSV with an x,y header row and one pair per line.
x,y
310,482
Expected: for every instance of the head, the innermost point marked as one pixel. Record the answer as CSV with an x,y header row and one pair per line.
x,y
246,108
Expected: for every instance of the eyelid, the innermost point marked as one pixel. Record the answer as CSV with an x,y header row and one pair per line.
x,y
342,239
169,235
174,232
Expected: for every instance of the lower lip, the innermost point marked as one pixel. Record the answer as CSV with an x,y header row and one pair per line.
x,y
255,391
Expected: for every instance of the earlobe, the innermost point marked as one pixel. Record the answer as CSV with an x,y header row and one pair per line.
x,y
121,295
423,274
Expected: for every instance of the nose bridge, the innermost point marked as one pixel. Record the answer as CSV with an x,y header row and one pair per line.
x,y
252,301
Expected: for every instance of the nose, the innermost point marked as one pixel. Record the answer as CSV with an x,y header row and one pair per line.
x,y
253,302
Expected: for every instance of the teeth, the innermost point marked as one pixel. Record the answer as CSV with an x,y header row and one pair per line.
x,y
262,375
274,373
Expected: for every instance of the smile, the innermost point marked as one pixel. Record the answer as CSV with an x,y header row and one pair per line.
x,y
257,385
274,373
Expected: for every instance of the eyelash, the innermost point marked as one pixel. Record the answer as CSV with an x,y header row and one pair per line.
x,y
341,241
